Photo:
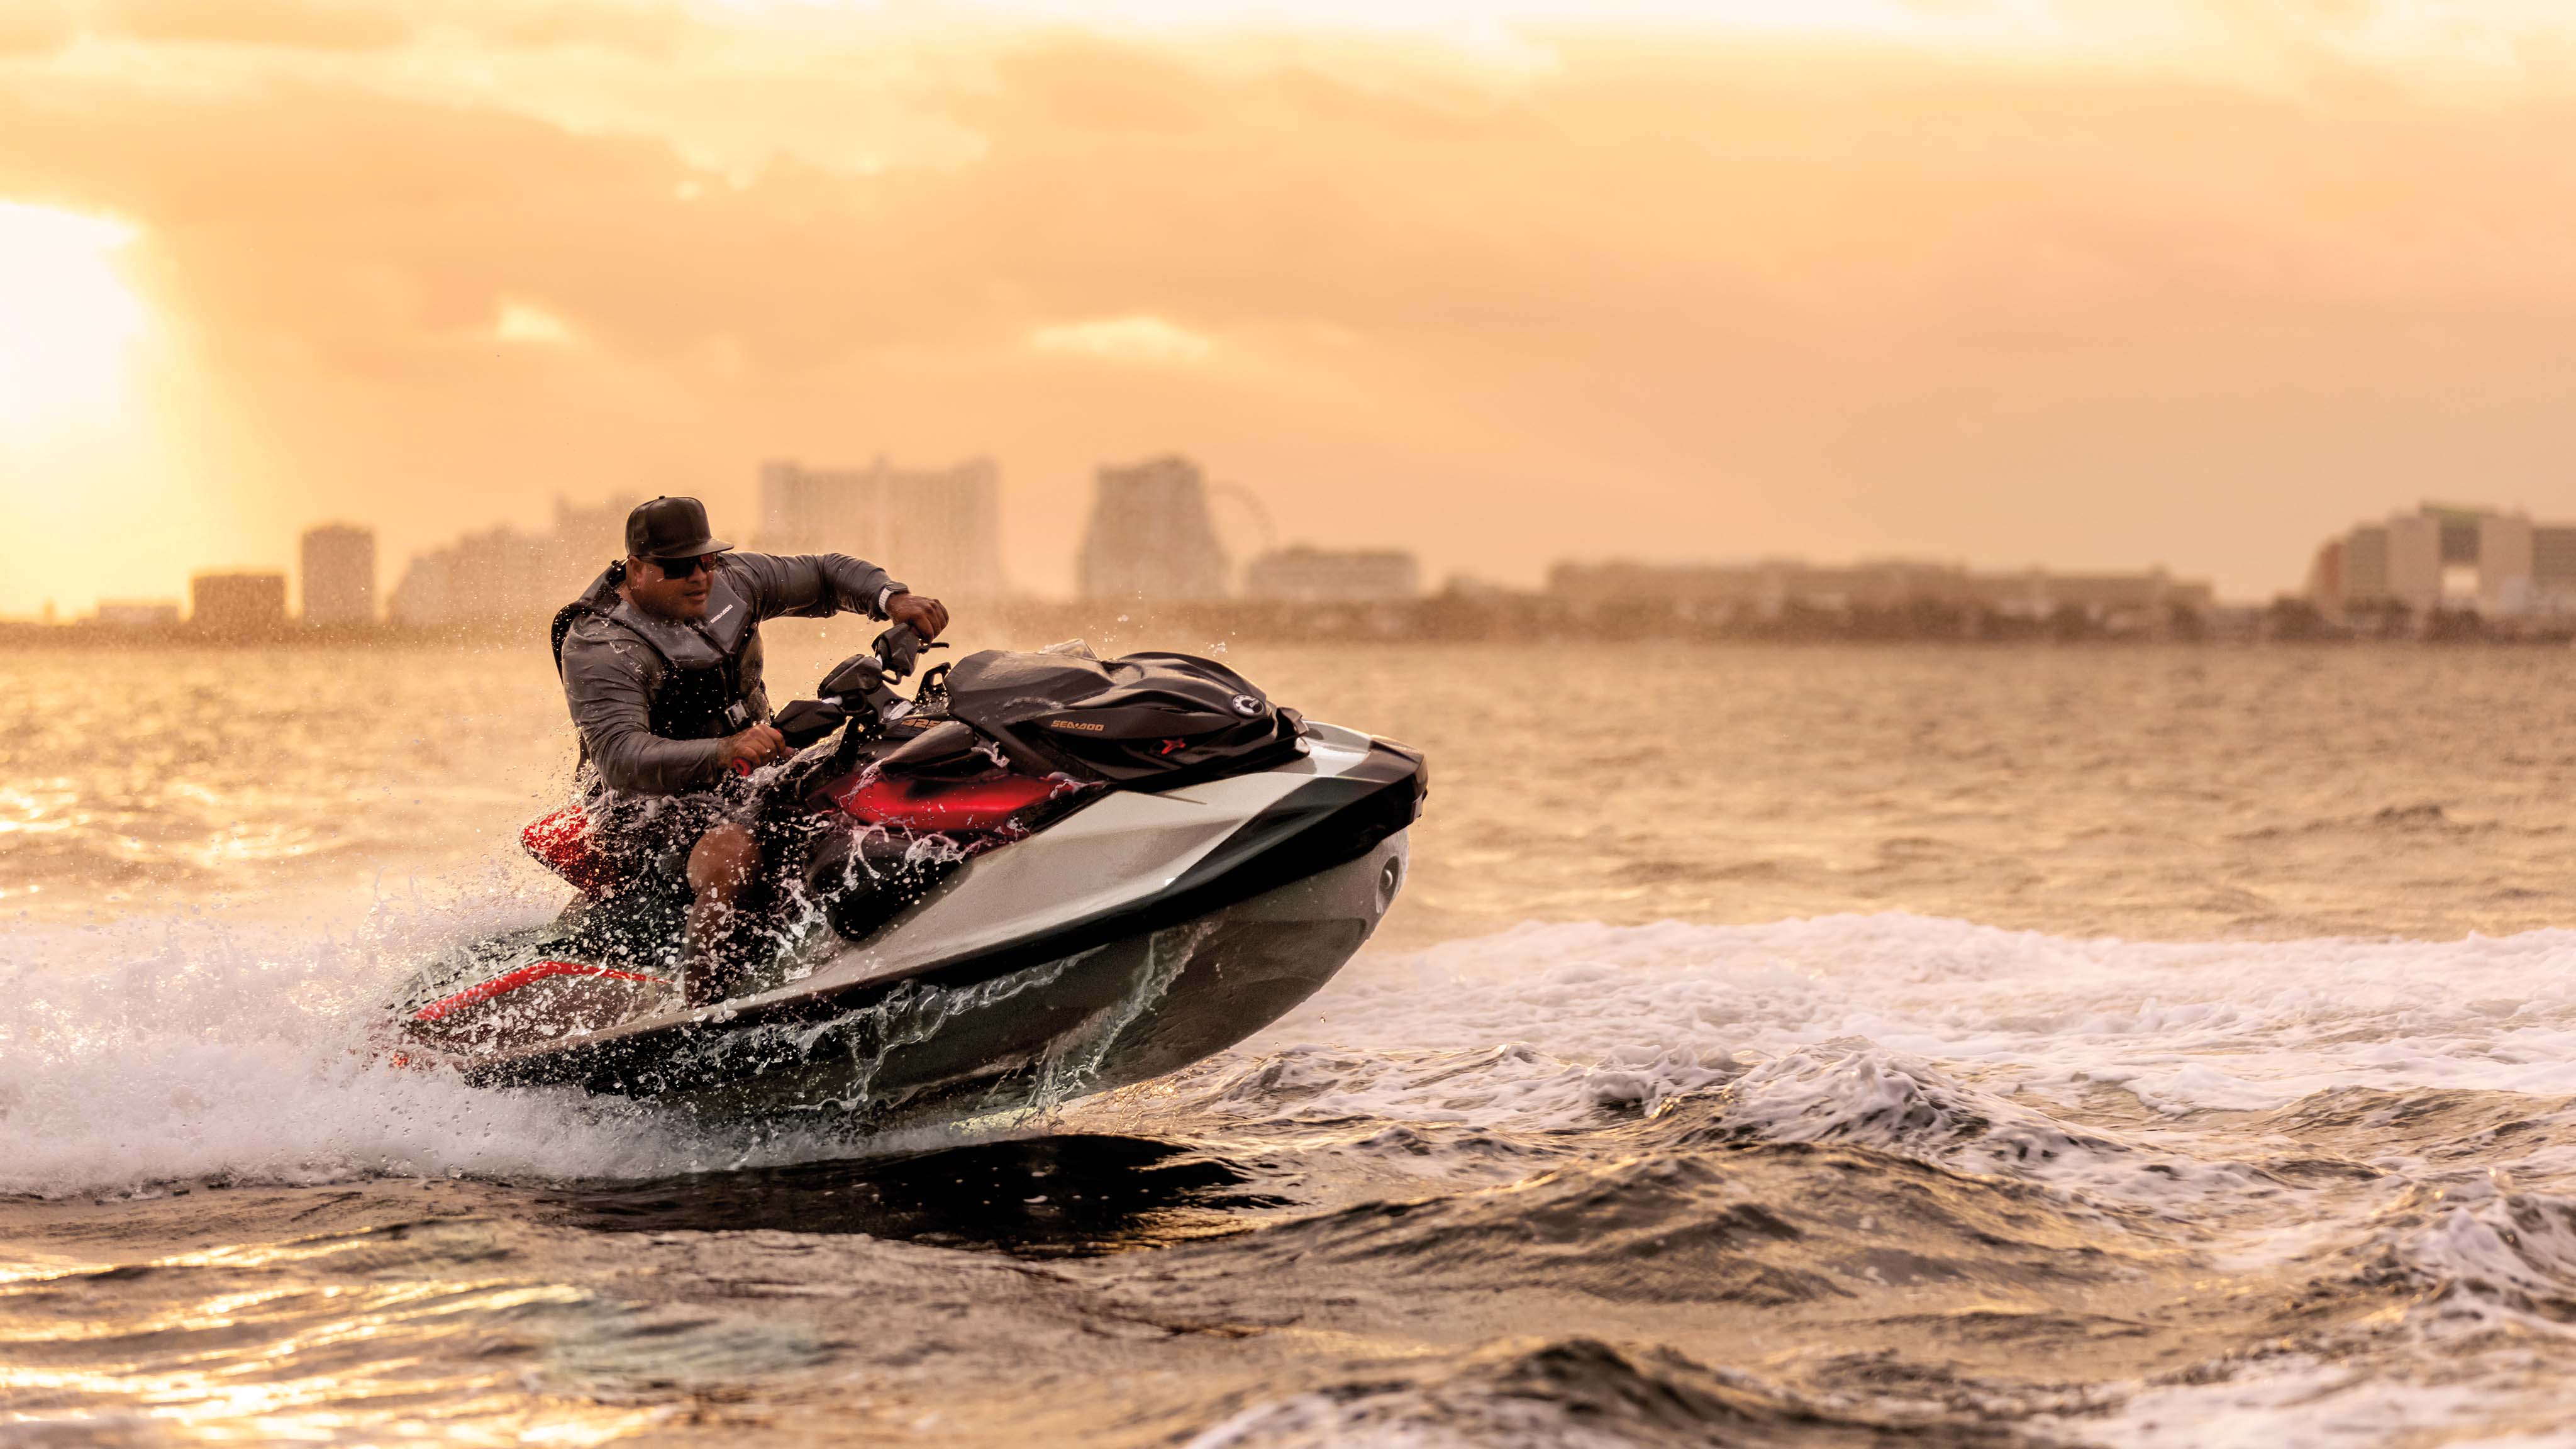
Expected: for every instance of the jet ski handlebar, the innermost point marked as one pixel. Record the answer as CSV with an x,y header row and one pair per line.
x,y
858,690
894,655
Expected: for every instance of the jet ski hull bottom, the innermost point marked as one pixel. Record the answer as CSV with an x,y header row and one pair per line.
x,y
1122,1012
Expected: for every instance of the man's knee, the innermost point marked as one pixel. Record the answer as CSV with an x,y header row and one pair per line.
x,y
722,860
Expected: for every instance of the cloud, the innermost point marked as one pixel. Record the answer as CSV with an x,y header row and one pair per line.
x,y
1142,337
528,325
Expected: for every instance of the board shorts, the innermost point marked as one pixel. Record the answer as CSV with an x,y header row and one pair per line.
x,y
653,834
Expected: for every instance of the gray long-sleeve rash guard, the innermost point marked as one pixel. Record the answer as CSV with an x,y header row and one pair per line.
x,y
609,676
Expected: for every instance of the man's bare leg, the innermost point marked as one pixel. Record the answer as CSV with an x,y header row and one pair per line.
x,y
719,866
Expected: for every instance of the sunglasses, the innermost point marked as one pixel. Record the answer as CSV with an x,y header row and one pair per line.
x,y
681,568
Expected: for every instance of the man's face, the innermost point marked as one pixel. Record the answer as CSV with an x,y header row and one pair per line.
x,y
651,584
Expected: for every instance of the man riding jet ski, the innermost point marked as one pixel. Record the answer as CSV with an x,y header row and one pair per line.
x,y
661,663
1043,875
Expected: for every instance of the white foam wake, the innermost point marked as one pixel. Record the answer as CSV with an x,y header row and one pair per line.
x,y
2184,1028
161,1048
156,1049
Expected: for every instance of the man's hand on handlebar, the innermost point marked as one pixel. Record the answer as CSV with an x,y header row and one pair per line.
x,y
926,616
753,748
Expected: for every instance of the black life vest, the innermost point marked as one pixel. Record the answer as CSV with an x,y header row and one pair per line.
x,y
693,702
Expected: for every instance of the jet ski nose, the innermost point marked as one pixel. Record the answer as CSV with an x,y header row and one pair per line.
x,y
1421,765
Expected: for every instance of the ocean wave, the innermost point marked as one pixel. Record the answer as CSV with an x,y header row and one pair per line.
x,y
2178,1028
1569,1393
1576,1393
1762,1226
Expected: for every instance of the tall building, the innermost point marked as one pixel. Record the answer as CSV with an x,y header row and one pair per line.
x,y
2365,568
2500,560
339,575
1329,574
2416,565
2553,567
2444,556
1151,535
2326,571
237,604
937,529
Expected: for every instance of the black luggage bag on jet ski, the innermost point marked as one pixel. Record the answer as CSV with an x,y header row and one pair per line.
x,y
1141,722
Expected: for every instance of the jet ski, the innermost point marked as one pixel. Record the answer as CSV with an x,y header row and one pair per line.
x,y
1043,875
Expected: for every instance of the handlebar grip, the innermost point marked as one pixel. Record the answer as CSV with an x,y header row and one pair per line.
x,y
899,649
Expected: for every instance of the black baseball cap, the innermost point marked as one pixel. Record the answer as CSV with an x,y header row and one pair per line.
x,y
671,528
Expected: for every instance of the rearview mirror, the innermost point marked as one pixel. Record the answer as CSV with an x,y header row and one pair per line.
x,y
854,675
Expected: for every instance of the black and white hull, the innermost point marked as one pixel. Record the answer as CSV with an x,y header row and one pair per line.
x,y
1137,933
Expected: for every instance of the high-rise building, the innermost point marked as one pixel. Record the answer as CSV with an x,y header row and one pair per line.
x,y
937,529
237,605
2416,565
1329,574
2553,568
1151,535
2445,556
2500,559
2365,569
339,575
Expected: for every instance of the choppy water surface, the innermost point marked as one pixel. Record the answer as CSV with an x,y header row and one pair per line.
x,y
1774,1047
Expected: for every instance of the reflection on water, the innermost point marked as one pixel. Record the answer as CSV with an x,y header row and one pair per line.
x,y
377,1332
142,775
1039,1197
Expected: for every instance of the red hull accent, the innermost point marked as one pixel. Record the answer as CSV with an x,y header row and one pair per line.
x,y
561,843
513,979
971,806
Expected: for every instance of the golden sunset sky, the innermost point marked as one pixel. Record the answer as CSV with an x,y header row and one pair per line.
x,y
2088,283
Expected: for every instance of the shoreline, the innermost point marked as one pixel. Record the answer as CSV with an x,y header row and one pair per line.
x,y
1475,618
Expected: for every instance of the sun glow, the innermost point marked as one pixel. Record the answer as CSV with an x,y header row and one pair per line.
x,y
104,448
67,319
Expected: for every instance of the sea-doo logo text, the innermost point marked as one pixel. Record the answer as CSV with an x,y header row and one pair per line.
x,y
1076,724
1246,706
